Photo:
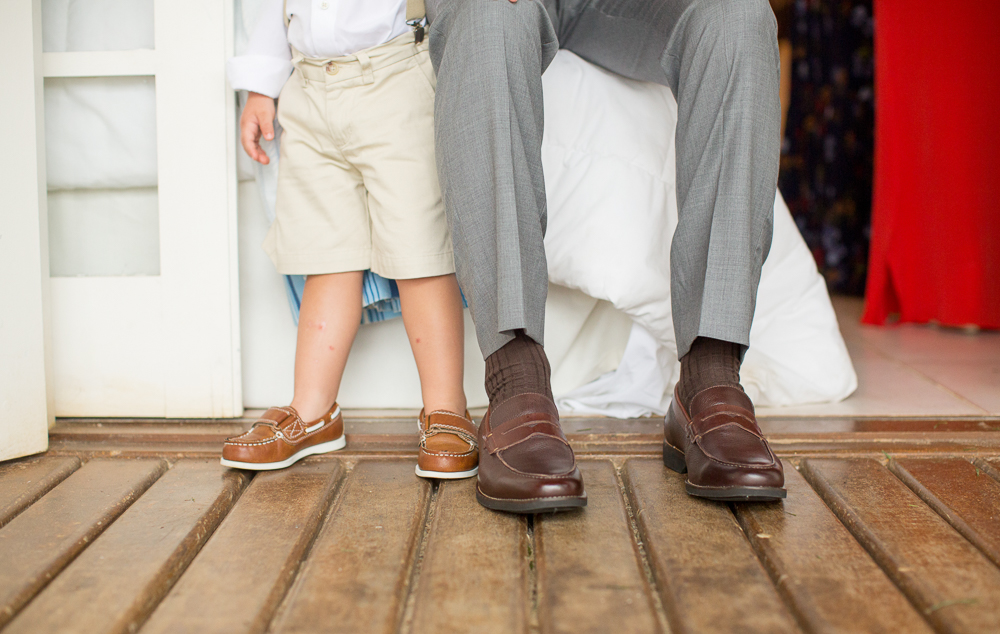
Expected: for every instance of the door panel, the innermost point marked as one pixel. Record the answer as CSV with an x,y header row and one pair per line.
x,y
110,358
25,407
136,333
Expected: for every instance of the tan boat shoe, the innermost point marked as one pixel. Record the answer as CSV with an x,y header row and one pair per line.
x,y
448,447
280,438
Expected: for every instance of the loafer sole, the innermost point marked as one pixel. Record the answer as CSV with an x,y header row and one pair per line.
x,y
673,459
323,447
736,494
536,505
447,475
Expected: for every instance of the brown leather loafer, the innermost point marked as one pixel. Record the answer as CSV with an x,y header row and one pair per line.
x,y
448,446
526,465
721,448
280,438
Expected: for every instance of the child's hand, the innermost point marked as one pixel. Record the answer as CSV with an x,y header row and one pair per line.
x,y
257,119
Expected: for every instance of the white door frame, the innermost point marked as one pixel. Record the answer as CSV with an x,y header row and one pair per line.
x,y
165,345
26,410
195,363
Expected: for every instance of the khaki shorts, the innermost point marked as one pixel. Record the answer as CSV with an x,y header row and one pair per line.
x,y
357,183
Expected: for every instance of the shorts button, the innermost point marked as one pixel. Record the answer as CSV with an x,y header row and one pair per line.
x,y
332,69
324,6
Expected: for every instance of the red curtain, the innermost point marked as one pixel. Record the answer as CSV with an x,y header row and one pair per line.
x,y
935,244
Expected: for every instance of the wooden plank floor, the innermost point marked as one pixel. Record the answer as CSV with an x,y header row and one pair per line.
x,y
890,526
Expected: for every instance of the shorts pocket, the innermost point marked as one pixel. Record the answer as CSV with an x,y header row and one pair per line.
x,y
423,60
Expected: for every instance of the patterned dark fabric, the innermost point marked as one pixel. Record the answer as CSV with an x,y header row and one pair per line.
x,y
827,152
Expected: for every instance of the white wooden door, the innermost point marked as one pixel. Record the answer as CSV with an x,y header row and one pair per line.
x,y
151,330
25,407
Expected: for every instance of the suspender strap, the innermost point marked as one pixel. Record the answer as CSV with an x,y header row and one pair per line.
x,y
416,17
415,10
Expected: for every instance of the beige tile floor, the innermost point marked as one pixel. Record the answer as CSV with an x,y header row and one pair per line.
x,y
913,370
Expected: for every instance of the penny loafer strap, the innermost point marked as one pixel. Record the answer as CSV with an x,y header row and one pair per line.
x,y
498,442
519,417
723,414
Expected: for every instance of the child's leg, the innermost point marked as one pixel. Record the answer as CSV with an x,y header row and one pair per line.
x,y
328,321
432,314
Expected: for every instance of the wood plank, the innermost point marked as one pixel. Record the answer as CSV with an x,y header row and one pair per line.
x,y
39,542
404,446
474,573
23,482
961,493
395,436
589,571
708,576
991,467
114,585
840,425
358,570
135,432
823,573
955,585
363,423
242,573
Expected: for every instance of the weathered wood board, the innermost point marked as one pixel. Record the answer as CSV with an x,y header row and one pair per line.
x,y
39,542
474,573
238,579
960,492
23,482
889,526
821,570
589,569
356,577
709,578
116,582
947,578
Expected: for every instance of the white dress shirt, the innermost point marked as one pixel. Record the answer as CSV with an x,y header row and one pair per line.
x,y
318,28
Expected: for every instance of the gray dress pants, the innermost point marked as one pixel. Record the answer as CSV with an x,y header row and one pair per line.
x,y
720,59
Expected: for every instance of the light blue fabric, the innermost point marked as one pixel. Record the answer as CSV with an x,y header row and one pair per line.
x,y
379,297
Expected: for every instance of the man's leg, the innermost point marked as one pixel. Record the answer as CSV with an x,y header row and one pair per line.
x,y
720,59
489,56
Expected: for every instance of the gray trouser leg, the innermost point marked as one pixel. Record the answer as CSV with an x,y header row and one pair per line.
x,y
489,57
720,59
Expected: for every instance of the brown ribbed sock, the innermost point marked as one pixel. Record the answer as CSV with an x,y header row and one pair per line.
x,y
710,362
519,367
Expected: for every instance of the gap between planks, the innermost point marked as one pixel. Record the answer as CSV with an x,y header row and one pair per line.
x,y
405,622
532,578
640,549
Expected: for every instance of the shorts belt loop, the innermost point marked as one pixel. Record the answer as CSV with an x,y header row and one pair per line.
x,y
298,60
367,73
